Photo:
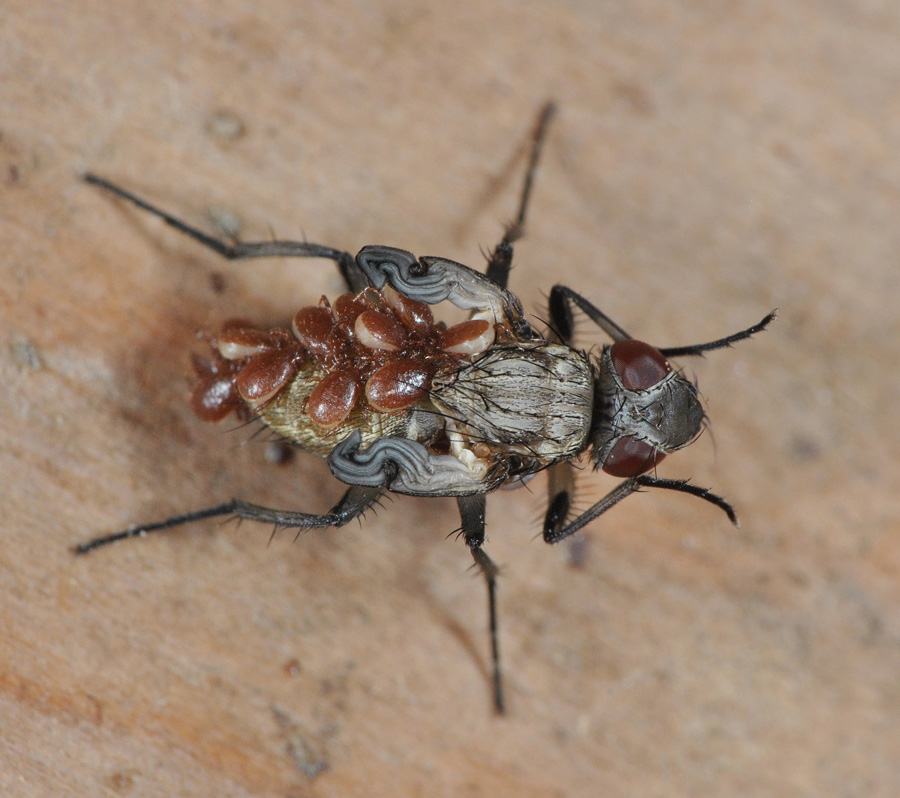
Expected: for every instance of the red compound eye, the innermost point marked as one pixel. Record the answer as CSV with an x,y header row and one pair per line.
x,y
631,457
639,365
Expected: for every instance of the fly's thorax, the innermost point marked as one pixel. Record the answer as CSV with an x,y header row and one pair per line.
x,y
645,409
530,401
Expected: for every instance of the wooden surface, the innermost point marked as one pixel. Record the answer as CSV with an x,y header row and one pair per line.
x,y
709,162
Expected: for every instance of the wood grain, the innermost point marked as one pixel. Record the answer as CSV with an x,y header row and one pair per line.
x,y
709,162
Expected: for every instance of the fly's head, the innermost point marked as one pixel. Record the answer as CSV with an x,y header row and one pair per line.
x,y
644,409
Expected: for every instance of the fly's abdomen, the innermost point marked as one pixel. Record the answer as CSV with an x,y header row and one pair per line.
x,y
363,363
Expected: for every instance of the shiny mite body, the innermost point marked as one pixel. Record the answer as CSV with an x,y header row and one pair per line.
x,y
398,402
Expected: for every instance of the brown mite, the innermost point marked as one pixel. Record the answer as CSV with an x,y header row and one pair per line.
x,y
334,398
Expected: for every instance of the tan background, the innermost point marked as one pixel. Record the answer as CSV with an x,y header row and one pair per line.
x,y
709,162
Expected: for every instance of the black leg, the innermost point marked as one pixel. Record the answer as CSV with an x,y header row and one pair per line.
x,y
500,260
471,511
352,505
560,495
353,276
626,488
722,343
562,298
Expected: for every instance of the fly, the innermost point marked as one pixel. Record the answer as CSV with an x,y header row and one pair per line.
x,y
397,402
